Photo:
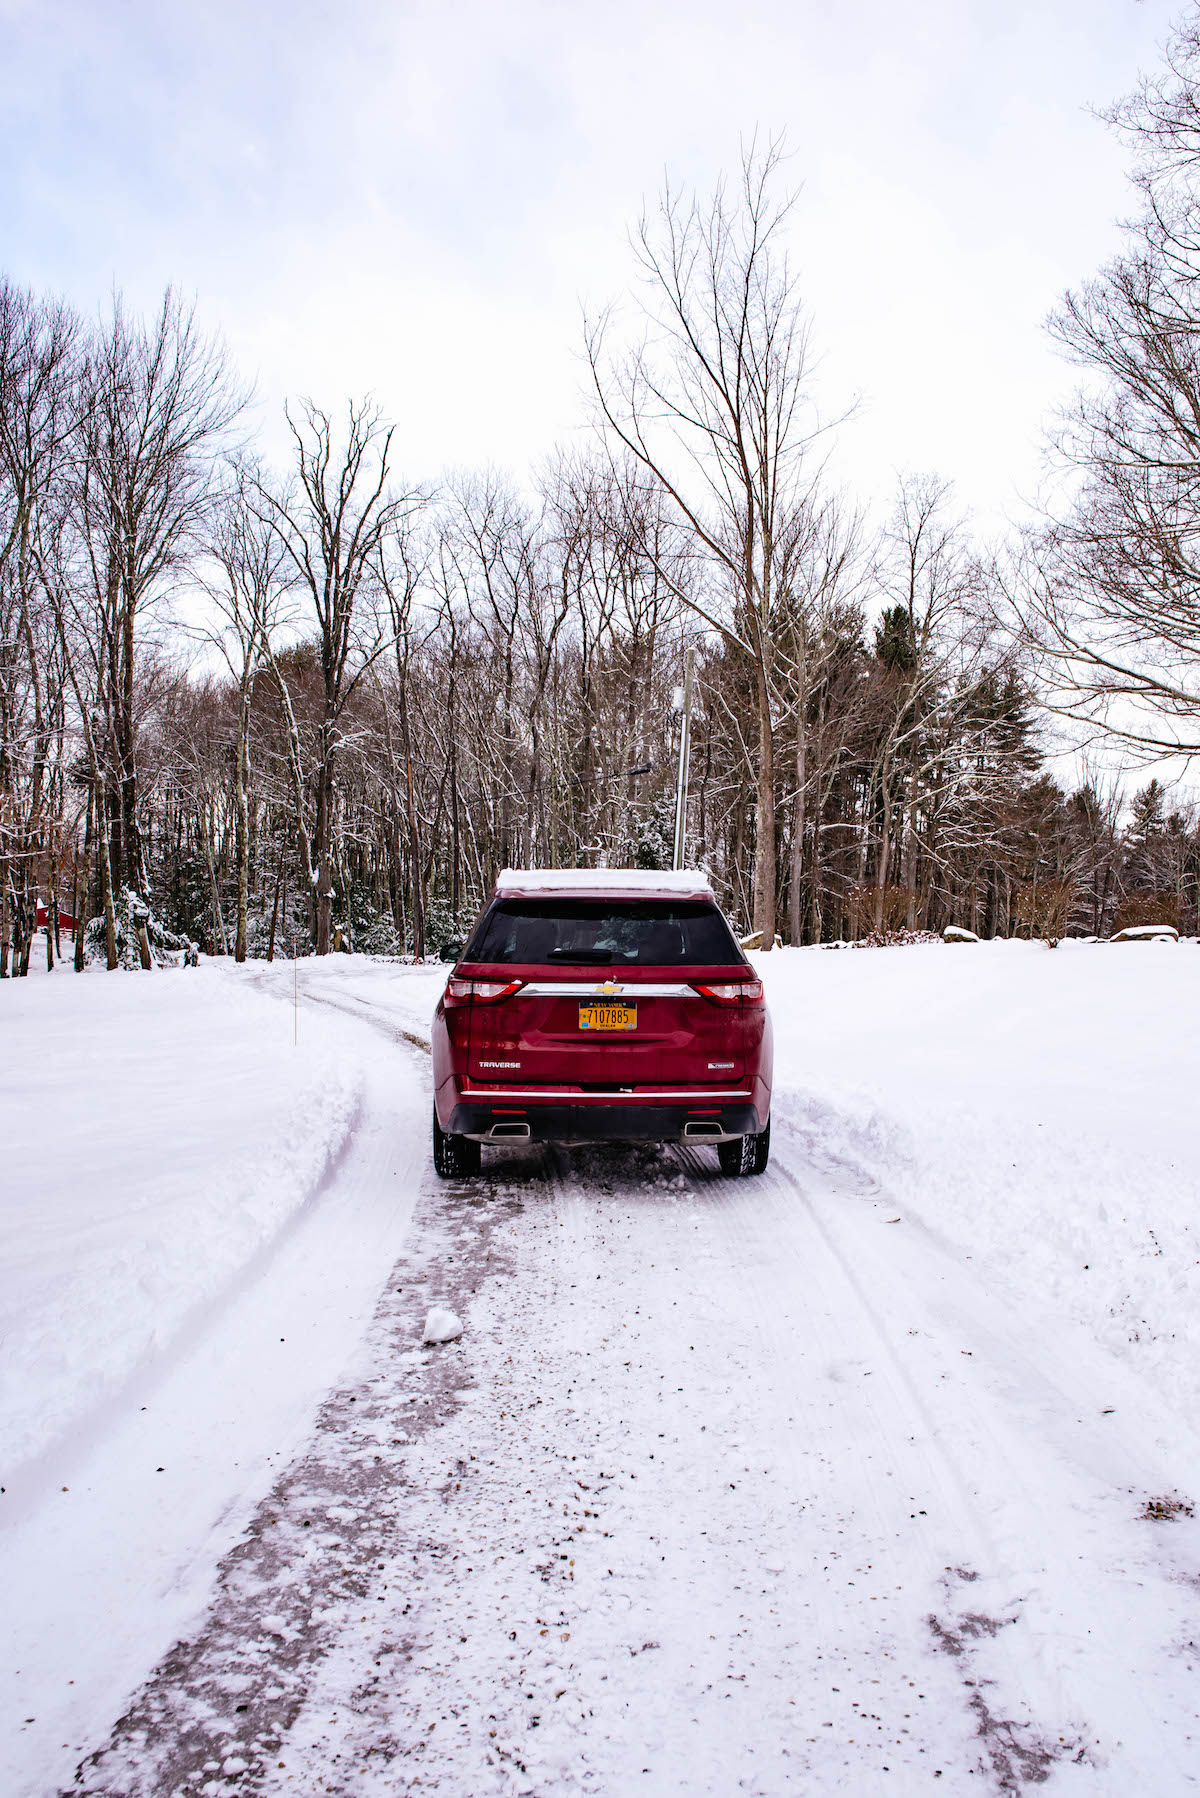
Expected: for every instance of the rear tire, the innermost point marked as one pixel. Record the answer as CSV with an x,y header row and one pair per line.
x,y
746,1154
454,1157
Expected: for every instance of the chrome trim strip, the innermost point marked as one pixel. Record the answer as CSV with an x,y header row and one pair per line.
x,y
565,1096
627,990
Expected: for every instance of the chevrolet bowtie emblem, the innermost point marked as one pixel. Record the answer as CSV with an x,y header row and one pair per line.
x,y
610,986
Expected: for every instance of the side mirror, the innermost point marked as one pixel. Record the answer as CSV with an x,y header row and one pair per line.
x,y
450,952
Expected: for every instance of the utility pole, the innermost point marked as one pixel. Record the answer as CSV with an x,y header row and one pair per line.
x,y
685,731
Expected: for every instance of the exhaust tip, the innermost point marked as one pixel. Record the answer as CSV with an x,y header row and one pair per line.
x,y
511,1132
704,1129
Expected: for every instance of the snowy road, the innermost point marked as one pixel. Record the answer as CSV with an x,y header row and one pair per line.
x,y
760,1486
729,1487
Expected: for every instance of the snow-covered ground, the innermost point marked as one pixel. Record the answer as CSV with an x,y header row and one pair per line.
x,y
1035,1108
835,1480
197,1217
159,1134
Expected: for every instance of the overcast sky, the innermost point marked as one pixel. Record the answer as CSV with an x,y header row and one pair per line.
x,y
417,198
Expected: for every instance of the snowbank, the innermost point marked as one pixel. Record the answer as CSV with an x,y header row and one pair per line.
x,y
1037,1108
159,1130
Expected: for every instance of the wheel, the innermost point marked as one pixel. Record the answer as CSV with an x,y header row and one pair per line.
x,y
761,1151
746,1154
453,1156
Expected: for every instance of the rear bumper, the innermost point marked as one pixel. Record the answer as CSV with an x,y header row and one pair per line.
x,y
592,1122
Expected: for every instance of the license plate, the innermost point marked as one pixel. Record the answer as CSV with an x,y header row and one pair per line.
x,y
608,1017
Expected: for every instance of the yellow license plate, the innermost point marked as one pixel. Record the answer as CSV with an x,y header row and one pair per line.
x,y
608,1017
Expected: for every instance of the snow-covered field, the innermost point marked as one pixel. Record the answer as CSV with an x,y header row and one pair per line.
x,y
1037,1109
159,1134
830,1481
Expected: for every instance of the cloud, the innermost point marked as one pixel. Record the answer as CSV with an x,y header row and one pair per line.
x,y
415,197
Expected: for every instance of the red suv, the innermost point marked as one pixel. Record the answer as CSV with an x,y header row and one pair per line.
x,y
602,1006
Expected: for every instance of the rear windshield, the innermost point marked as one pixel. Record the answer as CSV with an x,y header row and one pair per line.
x,y
605,933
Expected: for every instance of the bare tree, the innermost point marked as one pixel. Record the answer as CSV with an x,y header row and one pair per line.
x,y
1109,594
246,588
38,344
334,524
401,572
406,705
156,401
622,563
929,643
829,562
714,401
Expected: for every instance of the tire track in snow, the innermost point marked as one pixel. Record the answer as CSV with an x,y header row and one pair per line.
x,y
215,1713
155,1367
368,1012
1028,1481
684,1645
728,1476
913,1504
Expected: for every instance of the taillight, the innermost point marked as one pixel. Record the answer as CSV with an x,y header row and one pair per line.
x,y
732,992
484,992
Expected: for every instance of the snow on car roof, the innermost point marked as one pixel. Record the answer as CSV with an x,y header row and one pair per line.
x,y
639,882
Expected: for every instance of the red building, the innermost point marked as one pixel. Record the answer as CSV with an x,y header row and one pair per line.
x,y
65,920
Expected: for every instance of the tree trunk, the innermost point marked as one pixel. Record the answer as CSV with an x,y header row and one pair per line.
x,y
242,827
82,889
414,861
275,909
764,850
220,940
77,928
414,846
885,853
799,828
908,855
324,893
455,852
106,900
